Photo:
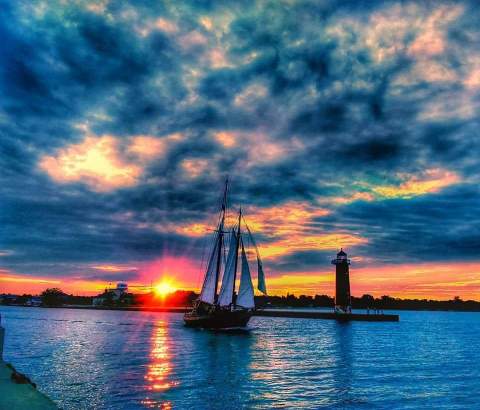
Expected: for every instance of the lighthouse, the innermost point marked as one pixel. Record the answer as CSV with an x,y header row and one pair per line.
x,y
343,303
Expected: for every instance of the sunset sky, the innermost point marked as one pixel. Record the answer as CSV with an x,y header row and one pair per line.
x,y
347,124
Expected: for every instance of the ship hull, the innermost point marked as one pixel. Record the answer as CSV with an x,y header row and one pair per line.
x,y
220,319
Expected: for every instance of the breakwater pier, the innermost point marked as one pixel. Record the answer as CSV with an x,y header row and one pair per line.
x,y
291,313
341,317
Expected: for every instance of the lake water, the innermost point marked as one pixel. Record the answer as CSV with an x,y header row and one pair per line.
x,y
86,359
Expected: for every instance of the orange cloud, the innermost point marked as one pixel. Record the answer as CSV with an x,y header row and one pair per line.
x,y
218,58
194,167
388,30
301,242
192,39
431,181
261,148
427,182
94,161
227,139
195,229
146,147
428,43
114,268
14,283
26,279
357,196
290,228
206,22
473,79
97,7
287,218
166,25
302,283
100,162
430,40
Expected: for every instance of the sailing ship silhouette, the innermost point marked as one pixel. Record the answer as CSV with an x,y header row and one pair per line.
x,y
226,308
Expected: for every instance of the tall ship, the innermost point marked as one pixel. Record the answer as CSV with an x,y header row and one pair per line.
x,y
227,308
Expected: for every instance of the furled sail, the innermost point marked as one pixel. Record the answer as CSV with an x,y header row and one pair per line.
x,y
262,287
226,291
207,294
245,293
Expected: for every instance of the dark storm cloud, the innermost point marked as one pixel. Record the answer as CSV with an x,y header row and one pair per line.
x,y
308,260
336,92
439,227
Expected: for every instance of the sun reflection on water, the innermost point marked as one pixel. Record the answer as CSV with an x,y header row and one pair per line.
x,y
160,368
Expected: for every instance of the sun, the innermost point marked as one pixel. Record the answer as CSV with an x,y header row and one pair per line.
x,y
164,288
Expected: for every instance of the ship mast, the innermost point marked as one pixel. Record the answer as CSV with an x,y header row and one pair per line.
x,y
220,239
236,255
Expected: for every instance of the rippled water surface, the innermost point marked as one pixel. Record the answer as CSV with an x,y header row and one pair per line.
x,y
85,359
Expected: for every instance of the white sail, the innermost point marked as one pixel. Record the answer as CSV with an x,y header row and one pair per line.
x,y
207,294
226,291
245,293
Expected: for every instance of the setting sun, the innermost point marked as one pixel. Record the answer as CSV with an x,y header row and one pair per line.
x,y
164,288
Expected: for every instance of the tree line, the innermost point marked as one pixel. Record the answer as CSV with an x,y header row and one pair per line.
x,y
54,297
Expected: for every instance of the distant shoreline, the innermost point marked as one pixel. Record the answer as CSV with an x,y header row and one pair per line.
x,y
183,309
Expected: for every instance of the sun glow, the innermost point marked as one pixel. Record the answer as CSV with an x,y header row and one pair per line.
x,y
164,288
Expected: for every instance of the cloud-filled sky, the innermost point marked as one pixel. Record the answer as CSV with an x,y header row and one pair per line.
x,y
340,124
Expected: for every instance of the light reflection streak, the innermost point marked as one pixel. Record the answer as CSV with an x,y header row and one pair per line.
x,y
160,368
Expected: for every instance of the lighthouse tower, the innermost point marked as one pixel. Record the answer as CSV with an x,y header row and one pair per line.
x,y
343,303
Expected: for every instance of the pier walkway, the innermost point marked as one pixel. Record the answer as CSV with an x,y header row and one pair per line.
x,y
293,313
341,317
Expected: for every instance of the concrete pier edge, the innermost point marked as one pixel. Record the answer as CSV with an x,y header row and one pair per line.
x,y
15,396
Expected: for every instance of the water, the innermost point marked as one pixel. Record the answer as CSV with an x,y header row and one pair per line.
x,y
85,359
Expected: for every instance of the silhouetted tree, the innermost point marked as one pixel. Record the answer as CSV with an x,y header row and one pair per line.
x,y
52,297
108,299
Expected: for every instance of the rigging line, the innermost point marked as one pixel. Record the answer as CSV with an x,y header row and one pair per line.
x,y
251,237
254,243
251,242
207,247
222,201
239,238
201,267
227,189
225,254
214,237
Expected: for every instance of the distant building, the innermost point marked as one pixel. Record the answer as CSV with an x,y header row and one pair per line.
x,y
98,300
34,301
343,302
8,299
121,289
111,295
